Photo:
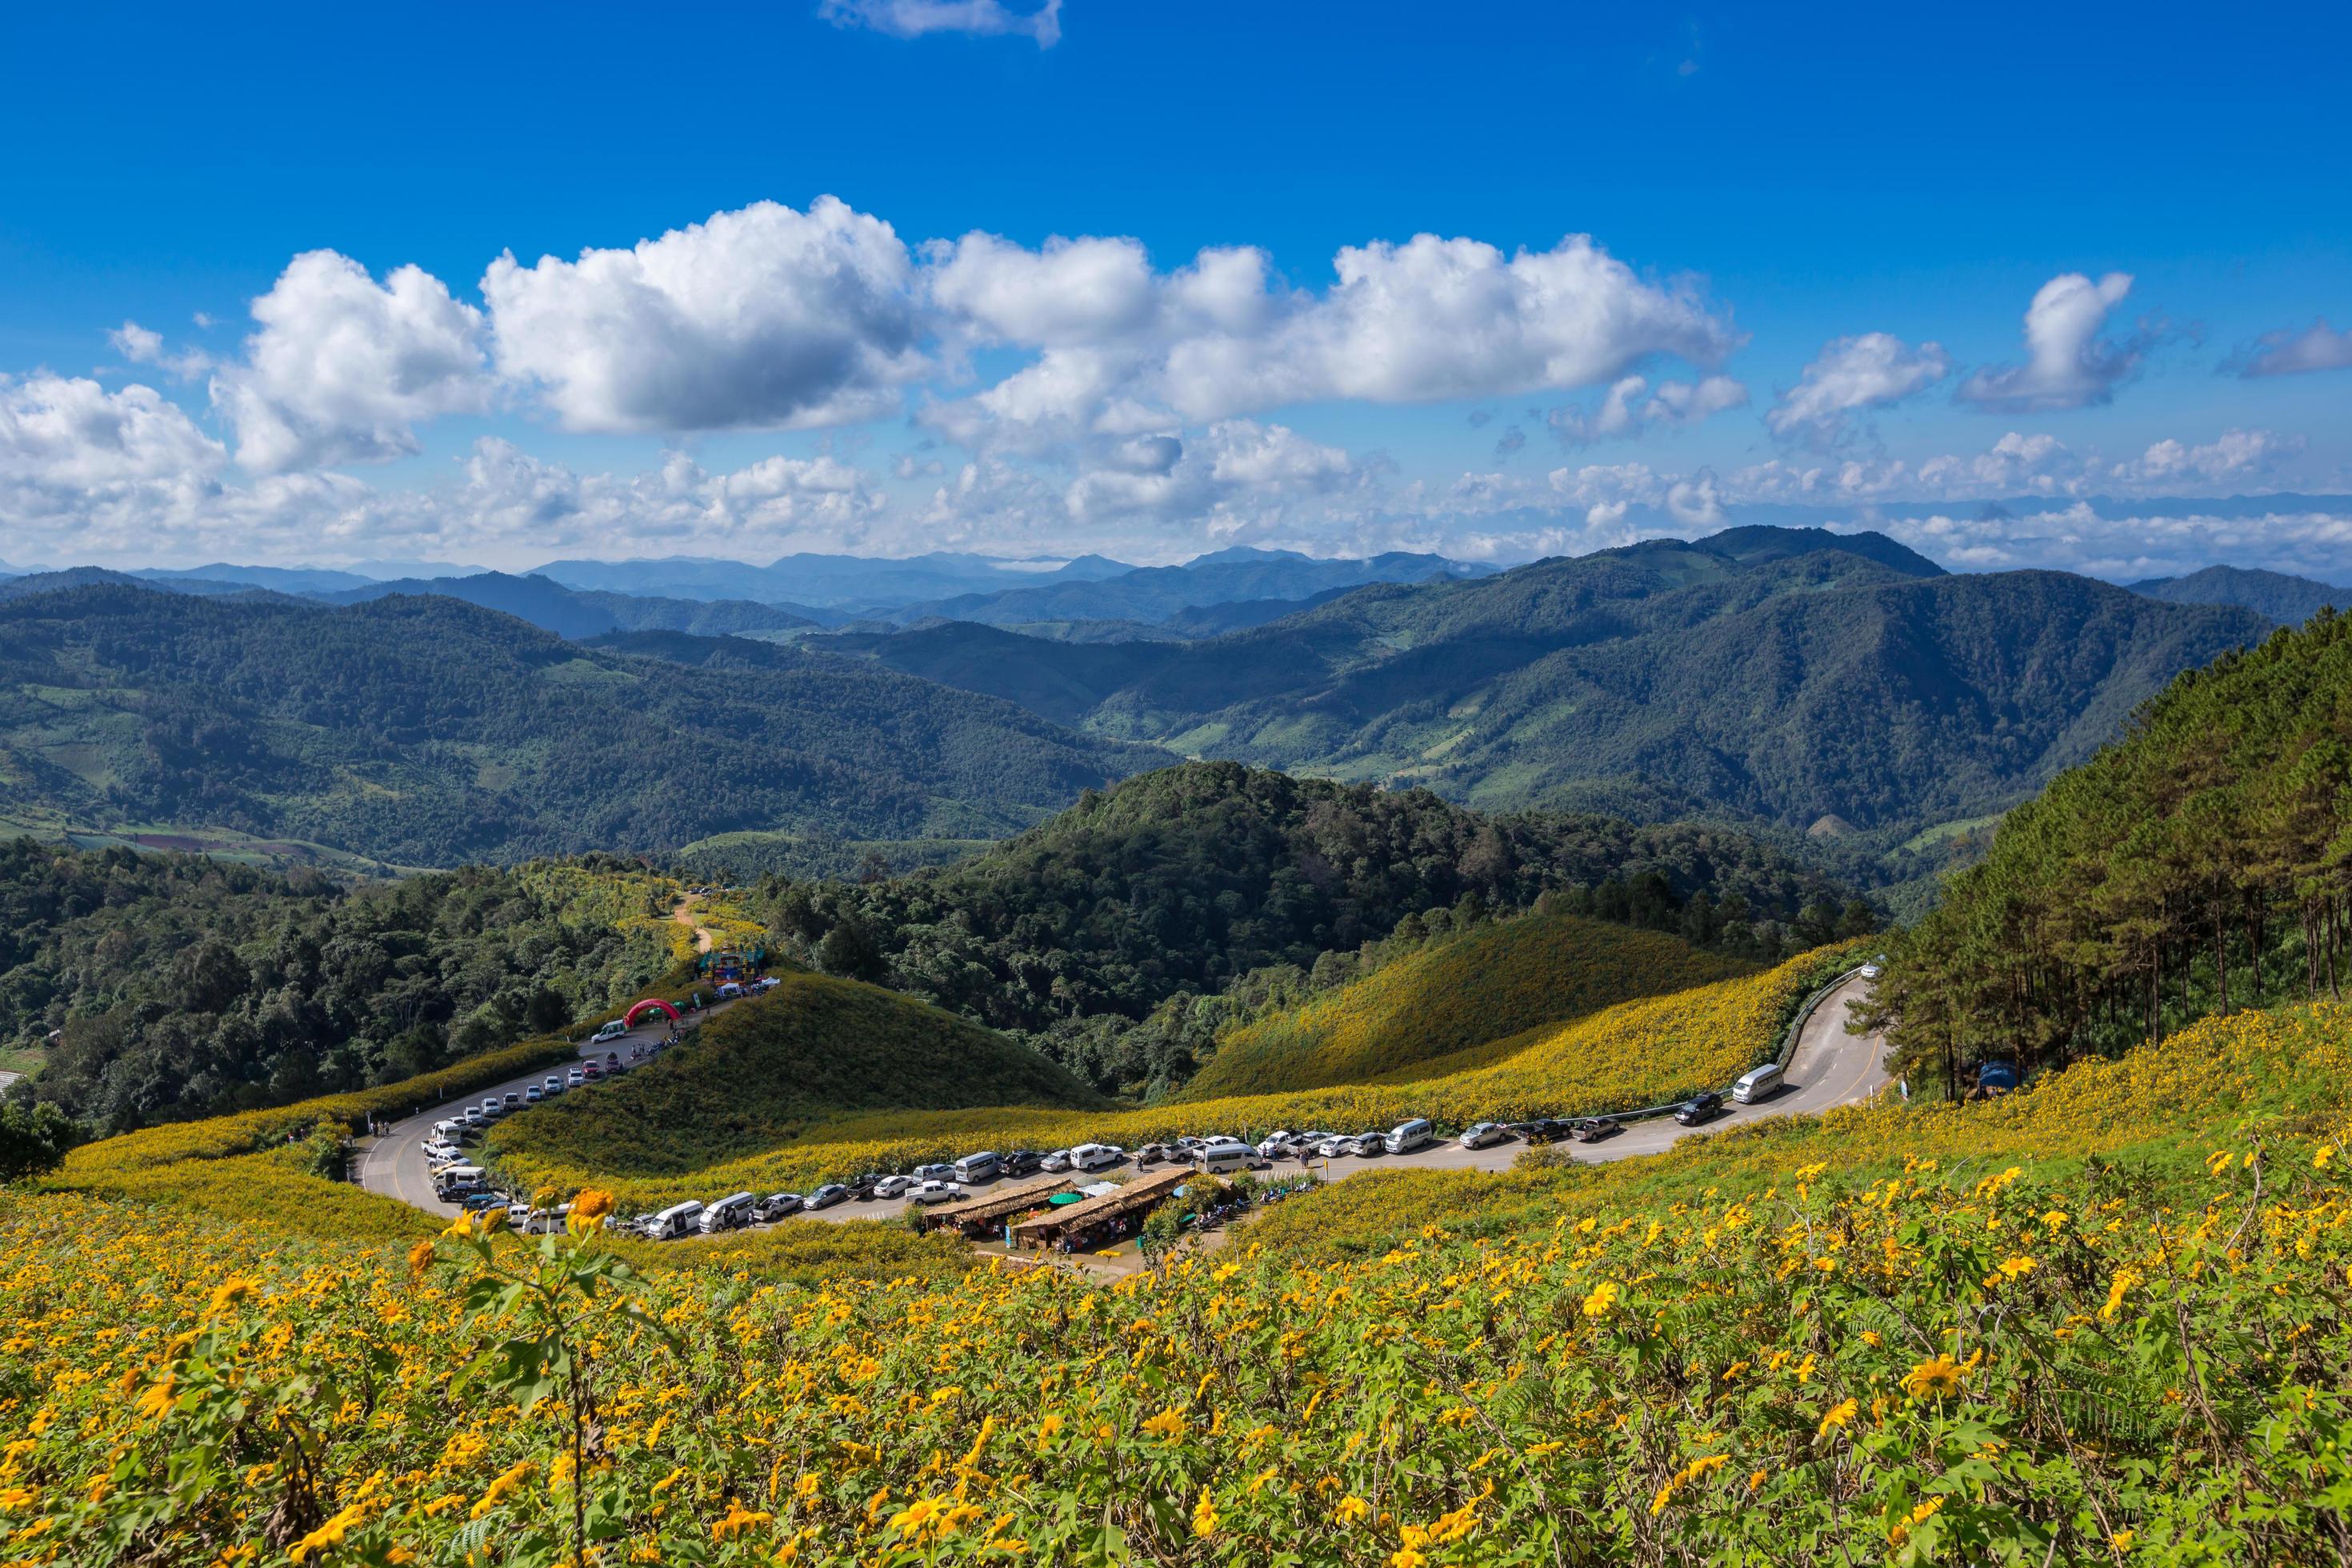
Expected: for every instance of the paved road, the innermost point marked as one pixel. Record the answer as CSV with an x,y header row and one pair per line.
x,y
1829,1068
394,1164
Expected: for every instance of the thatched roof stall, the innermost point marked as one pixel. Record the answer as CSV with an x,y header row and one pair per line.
x,y
1072,1221
983,1216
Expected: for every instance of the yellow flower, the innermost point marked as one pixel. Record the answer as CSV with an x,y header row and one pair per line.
x,y
2122,1540
232,1291
1839,1415
2319,1160
1049,1429
738,1520
1169,1426
2018,1268
420,1256
462,1227
589,1210
510,1481
1205,1516
1352,1509
330,1534
159,1396
1933,1378
1602,1298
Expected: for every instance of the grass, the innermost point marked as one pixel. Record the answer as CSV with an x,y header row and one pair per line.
x,y
1435,1008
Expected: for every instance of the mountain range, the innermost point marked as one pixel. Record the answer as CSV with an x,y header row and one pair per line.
x,y
426,731
2290,601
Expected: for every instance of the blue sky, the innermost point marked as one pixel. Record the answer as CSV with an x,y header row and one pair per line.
x,y
1879,196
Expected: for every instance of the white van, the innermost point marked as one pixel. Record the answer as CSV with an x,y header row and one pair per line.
x,y
1757,1083
611,1031
1223,1157
675,1221
1407,1136
976,1168
1093,1156
728,1212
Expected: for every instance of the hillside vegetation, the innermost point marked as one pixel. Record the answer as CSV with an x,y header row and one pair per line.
x,y
1790,676
1175,886
2196,866
766,1068
1499,980
181,987
423,731
1895,1335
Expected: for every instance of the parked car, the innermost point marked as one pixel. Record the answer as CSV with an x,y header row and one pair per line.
x,y
778,1205
534,1095
1335,1145
862,1189
893,1187
1547,1130
1699,1108
449,1127
611,1031
1023,1162
975,1169
675,1221
1055,1163
1365,1144
729,1212
935,1173
484,1203
1219,1159
513,1102
574,1078
1407,1136
825,1196
934,1193
1097,1156
1593,1128
594,1071
554,1084
1482,1135
612,1061
1151,1154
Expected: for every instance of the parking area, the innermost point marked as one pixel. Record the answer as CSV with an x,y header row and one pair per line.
x,y
1011,1198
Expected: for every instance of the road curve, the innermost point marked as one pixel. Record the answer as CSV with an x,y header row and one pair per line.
x,y
1828,1068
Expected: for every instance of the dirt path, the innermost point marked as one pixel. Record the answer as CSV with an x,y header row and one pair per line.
x,y
684,915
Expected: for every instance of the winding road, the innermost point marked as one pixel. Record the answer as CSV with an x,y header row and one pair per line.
x,y
1828,1068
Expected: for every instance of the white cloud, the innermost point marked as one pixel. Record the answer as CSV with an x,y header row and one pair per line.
x,y
765,318
1850,376
1630,405
62,434
919,18
2289,352
1238,469
1122,350
2234,458
2067,365
343,368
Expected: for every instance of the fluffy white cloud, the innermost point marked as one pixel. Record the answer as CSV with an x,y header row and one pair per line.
x,y
2067,364
2290,352
765,318
2234,458
1121,350
1850,376
1630,405
2127,546
67,435
917,18
1236,467
343,368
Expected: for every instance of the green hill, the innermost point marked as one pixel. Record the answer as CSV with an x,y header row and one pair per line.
x,y
1171,888
1498,981
2288,600
2196,866
766,1069
1789,676
426,731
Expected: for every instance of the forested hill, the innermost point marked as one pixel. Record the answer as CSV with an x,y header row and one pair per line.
x,y
427,732
181,987
1182,882
2197,866
2288,600
1806,678
578,612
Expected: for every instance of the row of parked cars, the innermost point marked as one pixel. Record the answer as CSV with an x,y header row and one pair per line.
x,y
455,1178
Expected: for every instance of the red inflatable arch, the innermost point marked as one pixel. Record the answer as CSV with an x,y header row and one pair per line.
x,y
649,1004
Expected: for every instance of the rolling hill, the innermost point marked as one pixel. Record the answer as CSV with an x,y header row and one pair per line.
x,y
1155,595
2288,600
768,1068
1791,676
1481,989
426,731
579,614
